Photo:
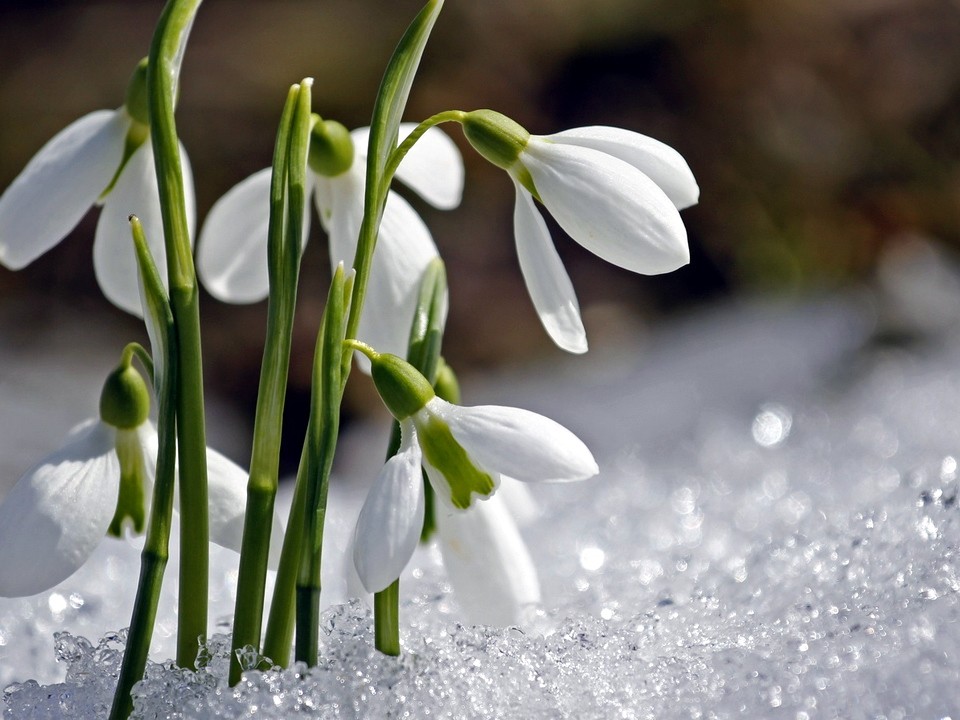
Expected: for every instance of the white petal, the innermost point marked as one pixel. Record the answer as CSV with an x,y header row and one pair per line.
x,y
657,160
227,497
340,206
518,500
517,443
59,185
404,250
433,168
391,519
232,253
546,278
608,206
58,512
489,566
134,194
149,446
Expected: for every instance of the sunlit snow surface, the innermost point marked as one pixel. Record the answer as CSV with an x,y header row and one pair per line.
x,y
774,533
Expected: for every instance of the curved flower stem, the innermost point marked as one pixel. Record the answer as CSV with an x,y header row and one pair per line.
x,y
156,545
163,70
136,350
287,200
397,156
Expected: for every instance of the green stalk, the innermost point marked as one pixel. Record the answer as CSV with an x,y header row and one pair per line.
x,y
341,318
386,614
153,557
163,70
287,199
280,623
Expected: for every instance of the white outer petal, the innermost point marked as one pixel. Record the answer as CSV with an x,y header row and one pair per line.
x,y
608,206
517,498
518,443
489,566
433,168
232,253
227,496
135,193
388,528
547,281
59,185
404,250
340,206
232,249
58,512
655,159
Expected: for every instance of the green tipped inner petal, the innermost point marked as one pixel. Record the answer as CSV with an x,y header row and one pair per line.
x,y
445,454
131,500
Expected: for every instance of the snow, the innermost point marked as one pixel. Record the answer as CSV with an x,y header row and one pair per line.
x,y
774,533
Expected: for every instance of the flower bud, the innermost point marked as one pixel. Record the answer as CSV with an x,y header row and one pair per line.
x,y
125,399
331,148
495,136
401,386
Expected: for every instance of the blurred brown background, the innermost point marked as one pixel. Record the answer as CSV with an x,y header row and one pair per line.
x,y
820,133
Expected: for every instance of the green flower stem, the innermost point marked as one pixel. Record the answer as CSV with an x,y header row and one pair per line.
x,y
325,427
136,350
423,352
386,619
287,200
163,70
341,319
153,557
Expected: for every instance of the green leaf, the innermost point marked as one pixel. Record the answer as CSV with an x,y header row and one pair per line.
x,y
395,89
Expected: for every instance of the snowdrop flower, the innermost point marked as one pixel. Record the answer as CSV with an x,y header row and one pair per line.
x,y
232,256
105,158
465,450
100,482
487,562
615,192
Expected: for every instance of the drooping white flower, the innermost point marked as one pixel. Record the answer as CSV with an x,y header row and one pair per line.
x,y
232,255
78,169
487,562
465,450
58,512
615,192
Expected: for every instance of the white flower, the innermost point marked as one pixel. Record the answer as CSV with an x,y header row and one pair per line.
x,y
487,561
55,516
614,191
67,177
232,256
465,450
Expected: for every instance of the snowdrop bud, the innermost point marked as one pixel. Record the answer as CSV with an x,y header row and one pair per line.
x,y
331,149
403,389
125,399
495,136
136,102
